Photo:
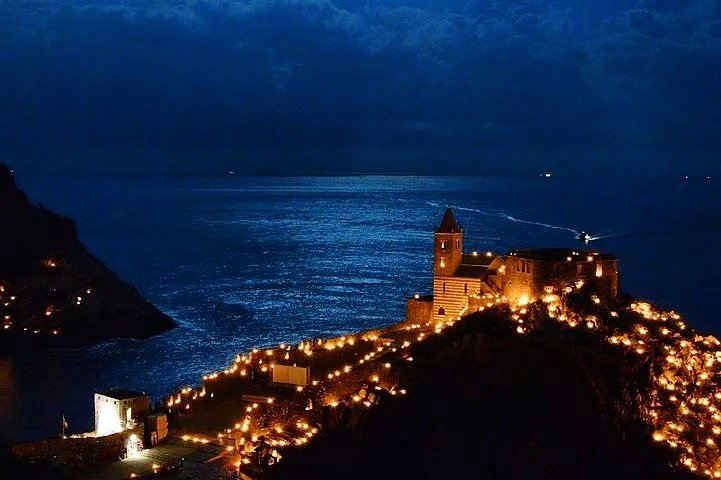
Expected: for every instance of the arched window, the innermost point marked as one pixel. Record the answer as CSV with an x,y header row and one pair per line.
x,y
441,311
458,244
443,244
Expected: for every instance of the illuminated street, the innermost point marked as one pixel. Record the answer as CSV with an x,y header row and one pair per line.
x,y
169,453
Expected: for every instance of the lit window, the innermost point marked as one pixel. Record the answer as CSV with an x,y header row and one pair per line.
x,y
599,270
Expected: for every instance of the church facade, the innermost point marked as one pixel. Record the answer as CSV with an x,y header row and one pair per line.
x,y
521,276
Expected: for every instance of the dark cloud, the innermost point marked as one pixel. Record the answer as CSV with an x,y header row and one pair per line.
x,y
306,82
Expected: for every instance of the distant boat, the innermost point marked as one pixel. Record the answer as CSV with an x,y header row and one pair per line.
x,y
547,175
231,172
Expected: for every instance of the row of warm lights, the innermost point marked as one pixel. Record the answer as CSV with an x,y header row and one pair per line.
x,y
682,413
374,378
700,452
690,420
307,348
49,310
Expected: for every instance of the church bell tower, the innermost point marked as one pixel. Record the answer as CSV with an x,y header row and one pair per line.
x,y
448,246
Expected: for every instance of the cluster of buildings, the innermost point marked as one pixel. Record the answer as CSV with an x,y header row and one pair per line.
x,y
460,279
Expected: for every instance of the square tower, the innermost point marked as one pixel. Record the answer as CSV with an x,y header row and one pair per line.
x,y
448,246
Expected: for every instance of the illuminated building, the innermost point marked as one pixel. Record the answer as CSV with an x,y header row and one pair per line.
x,y
456,275
532,273
461,280
118,409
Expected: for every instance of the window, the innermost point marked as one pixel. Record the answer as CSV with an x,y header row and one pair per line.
x,y
443,244
458,244
523,266
441,311
465,288
579,268
599,270
444,287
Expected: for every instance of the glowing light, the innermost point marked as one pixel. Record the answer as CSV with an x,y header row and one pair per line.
x,y
108,419
133,446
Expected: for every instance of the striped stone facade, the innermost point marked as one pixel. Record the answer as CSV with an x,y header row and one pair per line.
x,y
450,295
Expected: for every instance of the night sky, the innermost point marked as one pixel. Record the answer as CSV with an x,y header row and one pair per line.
x,y
349,86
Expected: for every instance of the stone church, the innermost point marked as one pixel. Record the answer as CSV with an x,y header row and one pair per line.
x,y
522,276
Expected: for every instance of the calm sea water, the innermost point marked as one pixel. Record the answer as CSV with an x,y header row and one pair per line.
x,y
243,262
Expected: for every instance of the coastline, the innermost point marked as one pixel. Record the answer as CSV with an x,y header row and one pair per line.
x,y
357,377
230,412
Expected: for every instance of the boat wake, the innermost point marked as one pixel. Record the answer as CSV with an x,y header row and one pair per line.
x,y
511,218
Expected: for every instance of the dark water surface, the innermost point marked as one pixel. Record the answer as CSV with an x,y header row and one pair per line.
x,y
240,262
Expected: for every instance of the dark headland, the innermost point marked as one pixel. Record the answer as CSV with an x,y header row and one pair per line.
x,y
53,292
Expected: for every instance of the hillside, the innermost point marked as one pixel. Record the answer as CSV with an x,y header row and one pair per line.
x,y
53,292
486,402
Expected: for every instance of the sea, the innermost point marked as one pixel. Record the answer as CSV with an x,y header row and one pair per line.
x,y
241,262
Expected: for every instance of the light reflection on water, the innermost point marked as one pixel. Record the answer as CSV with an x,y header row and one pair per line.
x,y
240,262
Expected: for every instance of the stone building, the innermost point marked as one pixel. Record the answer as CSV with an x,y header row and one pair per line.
x,y
119,409
531,274
522,276
457,275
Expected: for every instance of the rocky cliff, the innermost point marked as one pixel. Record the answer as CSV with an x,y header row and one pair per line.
x,y
53,292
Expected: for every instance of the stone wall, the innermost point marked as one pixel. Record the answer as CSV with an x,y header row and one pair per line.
x,y
419,310
527,280
76,452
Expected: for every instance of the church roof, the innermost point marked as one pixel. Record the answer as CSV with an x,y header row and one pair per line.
x,y
121,393
471,271
449,224
558,254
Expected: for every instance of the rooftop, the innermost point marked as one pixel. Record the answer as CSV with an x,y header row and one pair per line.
x,y
478,258
449,224
470,271
122,393
558,254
